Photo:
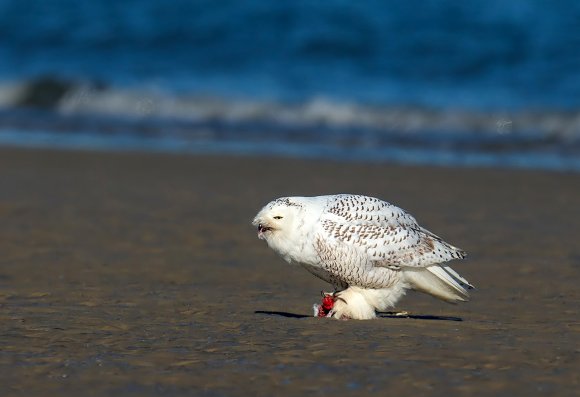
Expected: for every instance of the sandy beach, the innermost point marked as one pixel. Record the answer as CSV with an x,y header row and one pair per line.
x,y
140,275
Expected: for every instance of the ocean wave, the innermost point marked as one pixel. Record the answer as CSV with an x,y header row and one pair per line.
x,y
78,114
69,99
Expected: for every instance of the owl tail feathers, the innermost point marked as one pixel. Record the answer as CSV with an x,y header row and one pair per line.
x,y
439,281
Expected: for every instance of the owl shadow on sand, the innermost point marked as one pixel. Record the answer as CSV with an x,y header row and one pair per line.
x,y
395,315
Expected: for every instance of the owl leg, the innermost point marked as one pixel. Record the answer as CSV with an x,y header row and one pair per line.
x,y
338,309
352,304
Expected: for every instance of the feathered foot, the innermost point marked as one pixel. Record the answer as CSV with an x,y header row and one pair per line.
x,y
351,304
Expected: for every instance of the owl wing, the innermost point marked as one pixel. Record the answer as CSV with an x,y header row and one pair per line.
x,y
385,233
385,246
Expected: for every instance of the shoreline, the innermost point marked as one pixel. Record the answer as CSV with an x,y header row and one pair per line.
x,y
311,152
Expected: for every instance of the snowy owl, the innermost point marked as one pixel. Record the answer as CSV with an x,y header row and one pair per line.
x,y
370,251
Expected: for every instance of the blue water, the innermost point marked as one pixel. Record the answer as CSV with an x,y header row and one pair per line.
x,y
439,71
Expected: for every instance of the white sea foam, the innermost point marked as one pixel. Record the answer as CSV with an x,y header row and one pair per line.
x,y
10,92
149,119
315,112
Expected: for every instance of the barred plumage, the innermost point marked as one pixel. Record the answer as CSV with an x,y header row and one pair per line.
x,y
369,250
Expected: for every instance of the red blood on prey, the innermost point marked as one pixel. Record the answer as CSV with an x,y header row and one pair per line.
x,y
327,305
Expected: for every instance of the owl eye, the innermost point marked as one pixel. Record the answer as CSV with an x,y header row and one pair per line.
x,y
278,217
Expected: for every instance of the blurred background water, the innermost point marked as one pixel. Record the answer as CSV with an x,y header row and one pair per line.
x,y
492,83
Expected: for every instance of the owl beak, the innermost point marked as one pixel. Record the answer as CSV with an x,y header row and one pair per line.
x,y
262,229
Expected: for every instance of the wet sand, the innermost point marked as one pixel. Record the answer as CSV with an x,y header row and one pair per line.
x,y
140,275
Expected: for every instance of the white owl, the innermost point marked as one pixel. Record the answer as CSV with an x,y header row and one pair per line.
x,y
369,250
